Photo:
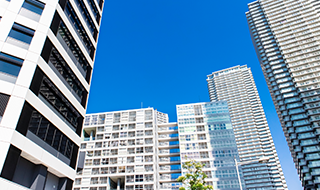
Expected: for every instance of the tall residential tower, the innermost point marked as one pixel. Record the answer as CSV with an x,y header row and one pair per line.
x,y
286,36
47,50
236,86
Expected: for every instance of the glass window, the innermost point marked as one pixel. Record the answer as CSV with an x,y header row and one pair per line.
x,y
32,9
9,64
74,84
87,17
79,29
139,178
73,50
46,131
59,102
20,36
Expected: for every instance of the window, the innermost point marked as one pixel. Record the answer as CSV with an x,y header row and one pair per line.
x,y
139,178
77,181
20,36
65,37
103,180
51,94
94,10
87,17
139,133
132,126
46,131
9,67
130,179
32,9
139,150
75,21
63,69
83,145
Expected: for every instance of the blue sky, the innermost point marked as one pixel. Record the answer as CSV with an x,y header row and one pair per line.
x,y
159,52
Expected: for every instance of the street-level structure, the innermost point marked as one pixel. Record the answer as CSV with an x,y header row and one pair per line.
x,y
47,50
236,86
286,36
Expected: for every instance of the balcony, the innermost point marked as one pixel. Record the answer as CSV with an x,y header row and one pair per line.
x,y
170,159
169,177
170,143
170,168
169,151
164,129
169,136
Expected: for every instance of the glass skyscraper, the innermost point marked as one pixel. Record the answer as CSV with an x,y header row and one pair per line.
x,y
206,135
236,86
286,37
47,51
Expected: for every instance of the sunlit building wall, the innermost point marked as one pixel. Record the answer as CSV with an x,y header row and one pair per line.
x,y
131,149
47,50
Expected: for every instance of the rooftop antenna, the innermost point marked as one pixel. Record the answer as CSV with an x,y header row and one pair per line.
x,y
141,105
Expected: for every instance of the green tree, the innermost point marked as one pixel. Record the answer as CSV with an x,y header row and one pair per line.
x,y
195,177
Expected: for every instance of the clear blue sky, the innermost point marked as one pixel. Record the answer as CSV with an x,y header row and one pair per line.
x,y
159,52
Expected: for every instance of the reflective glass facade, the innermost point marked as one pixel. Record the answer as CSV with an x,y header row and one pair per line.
x,y
206,135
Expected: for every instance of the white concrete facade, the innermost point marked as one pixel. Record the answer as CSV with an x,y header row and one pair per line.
x,y
35,83
236,86
129,150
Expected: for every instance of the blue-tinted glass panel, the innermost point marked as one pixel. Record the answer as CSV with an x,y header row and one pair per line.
x,y
21,33
9,68
34,6
20,36
9,64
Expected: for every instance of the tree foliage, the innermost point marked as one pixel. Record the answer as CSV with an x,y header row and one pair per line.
x,y
195,177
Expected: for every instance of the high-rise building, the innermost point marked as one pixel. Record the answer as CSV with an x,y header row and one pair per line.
x,y
236,86
206,135
285,35
132,149
140,150
47,50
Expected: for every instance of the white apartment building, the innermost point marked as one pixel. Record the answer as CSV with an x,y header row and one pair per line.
x,y
286,35
132,149
47,50
236,86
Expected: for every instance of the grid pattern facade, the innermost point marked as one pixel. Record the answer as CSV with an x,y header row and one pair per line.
x,y
129,150
236,86
206,135
47,50
286,38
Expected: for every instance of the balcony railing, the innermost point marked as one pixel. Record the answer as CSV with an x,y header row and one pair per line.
x,y
168,128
